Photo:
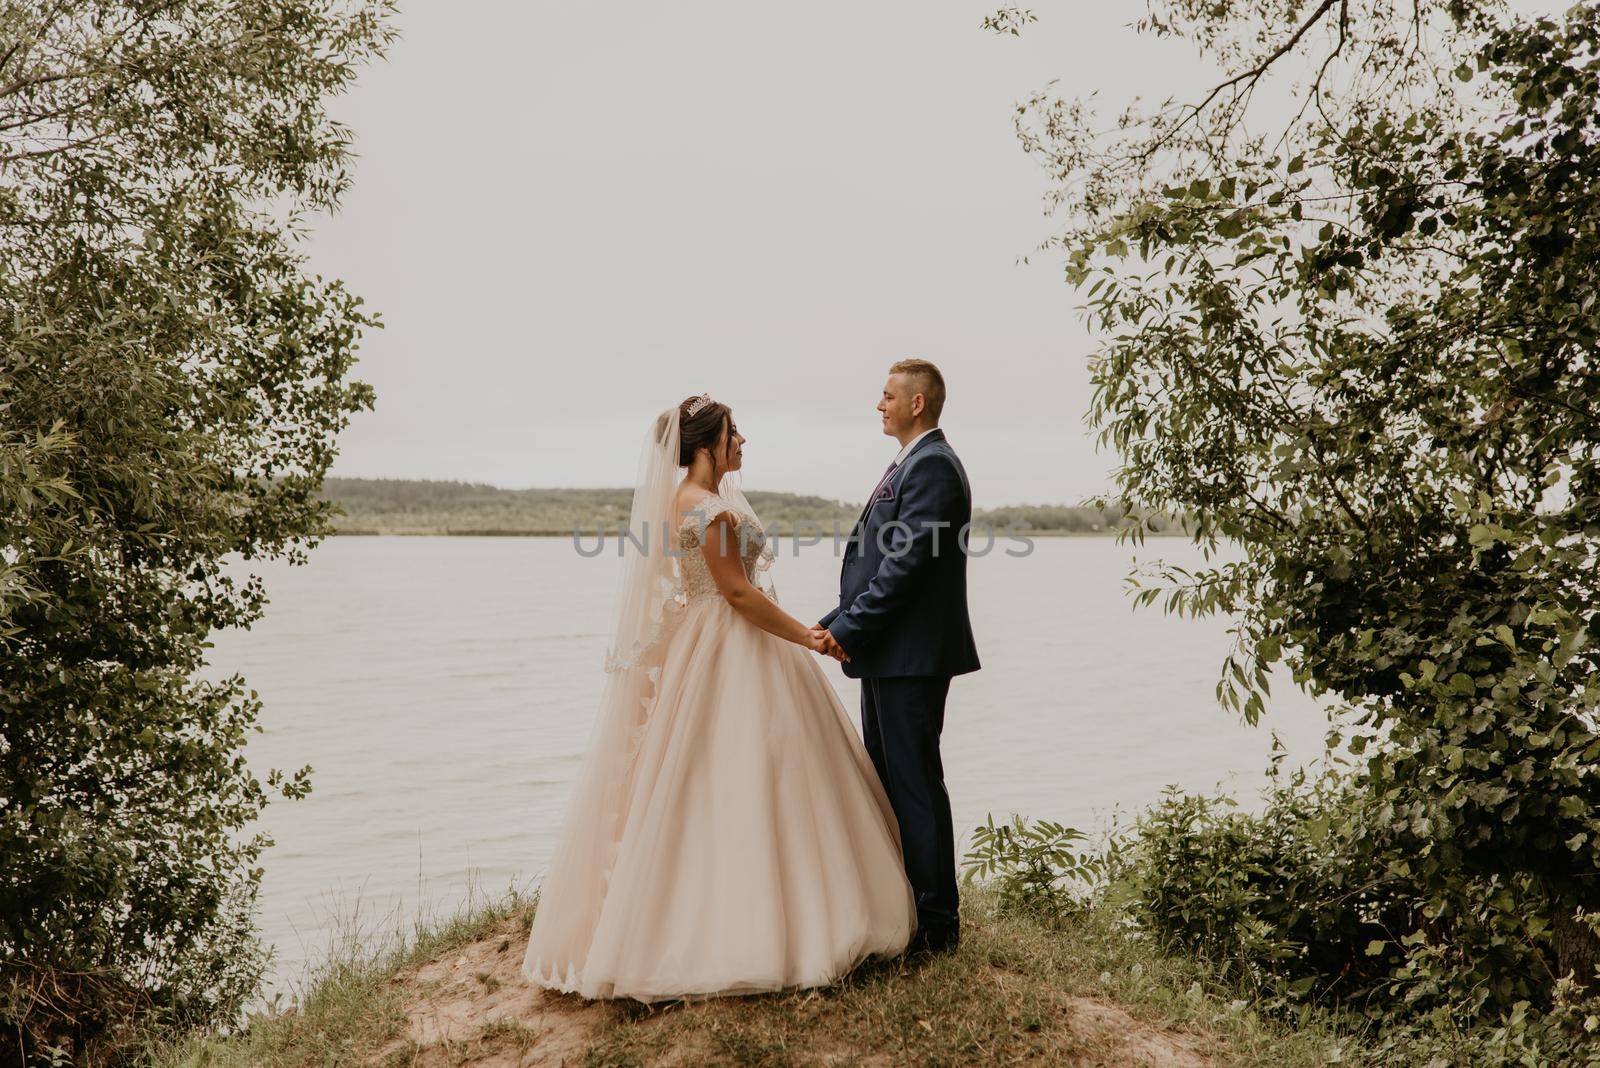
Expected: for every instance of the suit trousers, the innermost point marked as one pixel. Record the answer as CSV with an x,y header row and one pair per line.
x,y
901,720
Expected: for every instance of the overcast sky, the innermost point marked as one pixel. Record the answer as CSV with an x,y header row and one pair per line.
x,y
571,216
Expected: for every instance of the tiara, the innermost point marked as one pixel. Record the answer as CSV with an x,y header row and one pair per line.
x,y
697,404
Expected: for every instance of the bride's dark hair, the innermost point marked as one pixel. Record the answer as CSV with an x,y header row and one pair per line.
x,y
702,430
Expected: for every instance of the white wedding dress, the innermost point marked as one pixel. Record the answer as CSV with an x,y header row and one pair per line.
x,y
728,833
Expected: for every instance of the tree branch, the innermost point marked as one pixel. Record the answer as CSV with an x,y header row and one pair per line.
x,y
1257,72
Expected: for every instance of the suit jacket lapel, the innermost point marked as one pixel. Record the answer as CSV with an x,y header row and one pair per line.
x,y
936,434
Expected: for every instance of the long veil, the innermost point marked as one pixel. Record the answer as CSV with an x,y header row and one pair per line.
x,y
647,607
649,568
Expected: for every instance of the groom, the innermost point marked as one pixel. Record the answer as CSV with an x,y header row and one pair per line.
x,y
902,622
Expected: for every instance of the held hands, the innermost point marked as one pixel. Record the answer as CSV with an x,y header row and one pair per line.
x,y
820,640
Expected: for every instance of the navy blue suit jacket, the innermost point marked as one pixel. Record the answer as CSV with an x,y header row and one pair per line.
x,y
903,584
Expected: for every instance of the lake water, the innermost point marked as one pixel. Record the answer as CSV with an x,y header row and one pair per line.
x,y
444,688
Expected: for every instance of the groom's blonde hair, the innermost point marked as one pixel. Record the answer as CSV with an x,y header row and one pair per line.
x,y
926,380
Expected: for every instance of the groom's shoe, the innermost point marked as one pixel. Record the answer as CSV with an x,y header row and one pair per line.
x,y
928,941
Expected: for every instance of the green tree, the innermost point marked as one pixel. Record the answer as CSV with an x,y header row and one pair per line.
x,y
1357,335
172,381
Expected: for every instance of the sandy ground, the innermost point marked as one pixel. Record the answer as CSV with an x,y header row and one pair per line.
x,y
472,1007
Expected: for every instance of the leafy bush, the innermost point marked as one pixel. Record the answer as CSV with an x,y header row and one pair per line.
x,y
1300,910
1359,350
1033,866
1315,898
172,385
1273,896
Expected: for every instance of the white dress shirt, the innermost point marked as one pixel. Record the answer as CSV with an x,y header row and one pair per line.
x,y
912,443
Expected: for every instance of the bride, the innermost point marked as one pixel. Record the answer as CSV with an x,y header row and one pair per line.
x,y
727,833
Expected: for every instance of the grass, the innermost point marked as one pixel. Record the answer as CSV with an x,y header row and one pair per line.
x,y
1080,991
347,1006
1010,994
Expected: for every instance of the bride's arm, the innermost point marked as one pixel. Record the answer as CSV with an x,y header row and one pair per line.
x,y
720,547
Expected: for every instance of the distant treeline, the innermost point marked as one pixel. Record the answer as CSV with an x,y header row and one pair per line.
x,y
420,506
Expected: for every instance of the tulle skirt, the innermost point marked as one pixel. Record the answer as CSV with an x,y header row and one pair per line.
x,y
745,844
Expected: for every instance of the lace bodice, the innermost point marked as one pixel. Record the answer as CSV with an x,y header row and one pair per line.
x,y
694,577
